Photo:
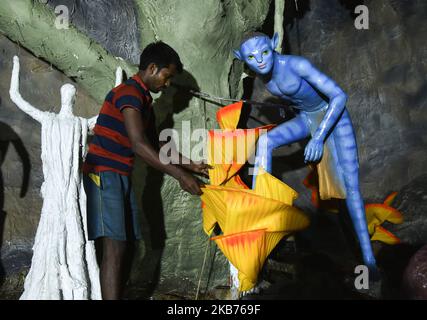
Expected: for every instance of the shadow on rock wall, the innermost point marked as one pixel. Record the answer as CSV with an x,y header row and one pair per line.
x,y
8,136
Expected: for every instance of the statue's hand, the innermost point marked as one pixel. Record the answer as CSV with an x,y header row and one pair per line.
x,y
314,150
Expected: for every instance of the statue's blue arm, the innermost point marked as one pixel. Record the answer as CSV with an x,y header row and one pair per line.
x,y
337,101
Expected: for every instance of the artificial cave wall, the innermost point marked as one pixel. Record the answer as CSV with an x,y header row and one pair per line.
x,y
103,35
382,69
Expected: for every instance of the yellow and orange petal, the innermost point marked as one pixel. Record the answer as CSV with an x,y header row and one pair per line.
x,y
209,220
311,183
235,182
229,150
390,198
383,213
385,236
247,252
237,210
270,187
228,116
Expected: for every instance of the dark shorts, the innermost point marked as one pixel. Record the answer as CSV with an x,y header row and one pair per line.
x,y
112,210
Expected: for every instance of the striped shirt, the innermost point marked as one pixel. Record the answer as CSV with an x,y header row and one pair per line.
x,y
110,148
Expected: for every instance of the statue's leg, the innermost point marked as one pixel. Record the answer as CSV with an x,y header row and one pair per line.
x,y
284,134
347,156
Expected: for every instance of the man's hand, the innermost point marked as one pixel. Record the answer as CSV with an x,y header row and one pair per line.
x,y
190,184
200,168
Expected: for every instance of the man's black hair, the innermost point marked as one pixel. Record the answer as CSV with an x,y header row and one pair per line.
x,y
161,54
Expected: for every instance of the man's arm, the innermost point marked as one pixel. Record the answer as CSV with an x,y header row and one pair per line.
x,y
16,97
176,157
141,146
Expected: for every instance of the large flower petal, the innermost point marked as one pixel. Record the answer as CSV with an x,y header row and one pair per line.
x,y
237,210
209,220
270,187
390,198
229,150
385,236
247,252
228,117
383,213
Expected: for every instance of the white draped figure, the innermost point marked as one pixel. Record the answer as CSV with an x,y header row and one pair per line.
x,y
64,263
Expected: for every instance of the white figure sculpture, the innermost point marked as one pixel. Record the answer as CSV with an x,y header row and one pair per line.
x,y
64,262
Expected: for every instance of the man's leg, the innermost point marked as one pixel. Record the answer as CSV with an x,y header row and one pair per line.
x,y
288,132
111,269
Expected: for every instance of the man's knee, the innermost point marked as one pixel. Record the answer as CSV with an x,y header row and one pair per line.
x,y
113,248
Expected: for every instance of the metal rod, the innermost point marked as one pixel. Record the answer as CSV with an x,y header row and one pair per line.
x,y
208,96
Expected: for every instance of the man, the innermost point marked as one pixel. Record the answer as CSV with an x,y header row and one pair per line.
x,y
322,115
123,127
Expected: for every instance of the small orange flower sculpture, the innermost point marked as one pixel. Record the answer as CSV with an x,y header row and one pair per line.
x,y
376,213
252,221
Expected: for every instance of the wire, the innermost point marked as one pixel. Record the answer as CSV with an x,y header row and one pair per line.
x,y
204,95
201,271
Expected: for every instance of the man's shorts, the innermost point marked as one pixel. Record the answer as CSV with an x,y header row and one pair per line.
x,y
111,207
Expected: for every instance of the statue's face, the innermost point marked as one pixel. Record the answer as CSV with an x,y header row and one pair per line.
x,y
257,52
68,94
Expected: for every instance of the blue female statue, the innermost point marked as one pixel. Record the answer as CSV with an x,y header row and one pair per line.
x,y
322,116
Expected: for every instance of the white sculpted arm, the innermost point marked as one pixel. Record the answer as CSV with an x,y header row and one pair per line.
x,y
119,80
92,122
16,97
119,76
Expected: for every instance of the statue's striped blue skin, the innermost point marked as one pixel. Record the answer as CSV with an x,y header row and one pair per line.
x,y
322,116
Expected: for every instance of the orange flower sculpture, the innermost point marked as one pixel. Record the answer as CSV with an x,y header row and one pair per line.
x,y
376,213
229,148
252,221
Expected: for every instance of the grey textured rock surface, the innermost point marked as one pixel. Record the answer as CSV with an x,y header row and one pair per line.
x,y
34,25
111,23
412,202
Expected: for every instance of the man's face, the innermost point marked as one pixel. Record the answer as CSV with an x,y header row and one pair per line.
x,y
258,54
161,79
